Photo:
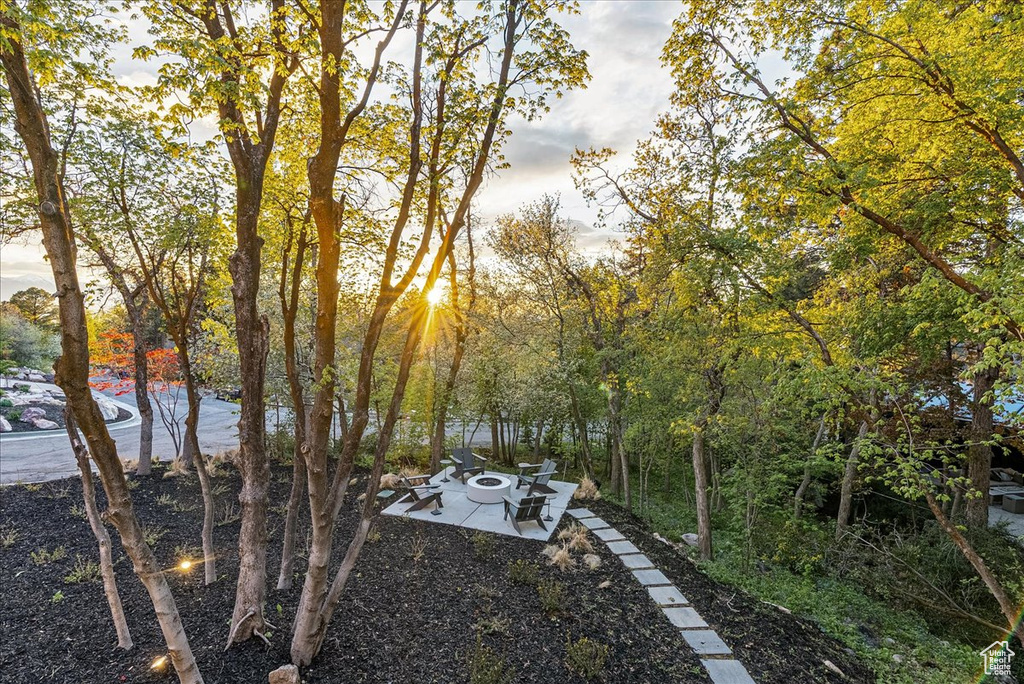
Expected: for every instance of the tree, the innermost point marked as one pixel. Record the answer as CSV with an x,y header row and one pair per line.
x,y
24,344
466,122
241,73
38,307
73,31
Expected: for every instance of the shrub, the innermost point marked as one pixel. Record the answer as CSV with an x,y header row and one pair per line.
x,y
8,537
552,596
483,545
486,666
44,557
587,490
84,571
576,538
523,572
585,657
152,533
417,548
562,559
6,403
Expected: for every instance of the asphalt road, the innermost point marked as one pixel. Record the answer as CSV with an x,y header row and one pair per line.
x,y
48,456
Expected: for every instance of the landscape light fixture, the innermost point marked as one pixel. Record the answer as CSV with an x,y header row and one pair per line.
x,y
159,664
185,565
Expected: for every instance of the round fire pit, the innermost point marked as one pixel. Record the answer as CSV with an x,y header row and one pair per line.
x,y
488,488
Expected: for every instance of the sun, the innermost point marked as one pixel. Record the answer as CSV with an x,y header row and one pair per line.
x,y
434,296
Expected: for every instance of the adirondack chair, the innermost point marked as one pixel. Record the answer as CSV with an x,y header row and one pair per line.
x,y
422,495
538,480
527,509
466,463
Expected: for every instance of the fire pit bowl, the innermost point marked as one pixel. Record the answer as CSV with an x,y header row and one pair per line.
x,y
488,488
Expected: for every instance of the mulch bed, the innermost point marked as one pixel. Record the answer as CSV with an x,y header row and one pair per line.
x,y
412,612
54,413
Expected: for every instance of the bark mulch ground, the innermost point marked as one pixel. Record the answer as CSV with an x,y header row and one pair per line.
x,y
422,594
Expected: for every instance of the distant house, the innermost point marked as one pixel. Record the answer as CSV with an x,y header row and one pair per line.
x,y
997,658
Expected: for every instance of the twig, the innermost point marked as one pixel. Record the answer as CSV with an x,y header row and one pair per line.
x,y
260,635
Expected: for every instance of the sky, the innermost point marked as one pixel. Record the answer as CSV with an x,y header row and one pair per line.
x,y
627,91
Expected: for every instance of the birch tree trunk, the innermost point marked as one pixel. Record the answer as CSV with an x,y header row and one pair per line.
x,y
124,637
72,368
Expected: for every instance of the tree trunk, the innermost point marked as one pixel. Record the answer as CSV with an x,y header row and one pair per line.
x,y
581,424
72,368
700,486
615,426
1010,611
124,637
252,332
192,442
849,474
142,390
979,454
798,497
289,308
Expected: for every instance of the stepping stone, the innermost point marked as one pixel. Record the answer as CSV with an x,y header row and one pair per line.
x,y
684,618
667,596
705,642
609,534
620,548
580,513
385,494
593,523
727,672
651,578
636,561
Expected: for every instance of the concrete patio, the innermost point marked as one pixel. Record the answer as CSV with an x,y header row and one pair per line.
x,y
459,510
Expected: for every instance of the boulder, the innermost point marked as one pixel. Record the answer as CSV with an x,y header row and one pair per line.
x,y
4,425
44,424
32,413
286,674
690,538
36,377
107,407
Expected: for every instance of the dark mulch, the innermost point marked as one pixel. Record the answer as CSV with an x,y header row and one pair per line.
x,y
411,613
54,413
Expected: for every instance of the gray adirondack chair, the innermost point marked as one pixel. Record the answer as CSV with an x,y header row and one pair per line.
x,y
466,463
538,480
422,495
527,509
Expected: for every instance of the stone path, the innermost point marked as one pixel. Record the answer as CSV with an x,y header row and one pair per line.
x,y
715,655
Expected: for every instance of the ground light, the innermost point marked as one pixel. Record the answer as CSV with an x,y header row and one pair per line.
x,y
185,565
159,664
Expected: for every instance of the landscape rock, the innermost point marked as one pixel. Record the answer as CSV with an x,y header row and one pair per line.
x,y
286,674
36,377
897,658
44,424
4,425
107,408
31,414
690,539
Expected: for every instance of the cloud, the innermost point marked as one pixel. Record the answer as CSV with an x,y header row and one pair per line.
x,y
627,91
